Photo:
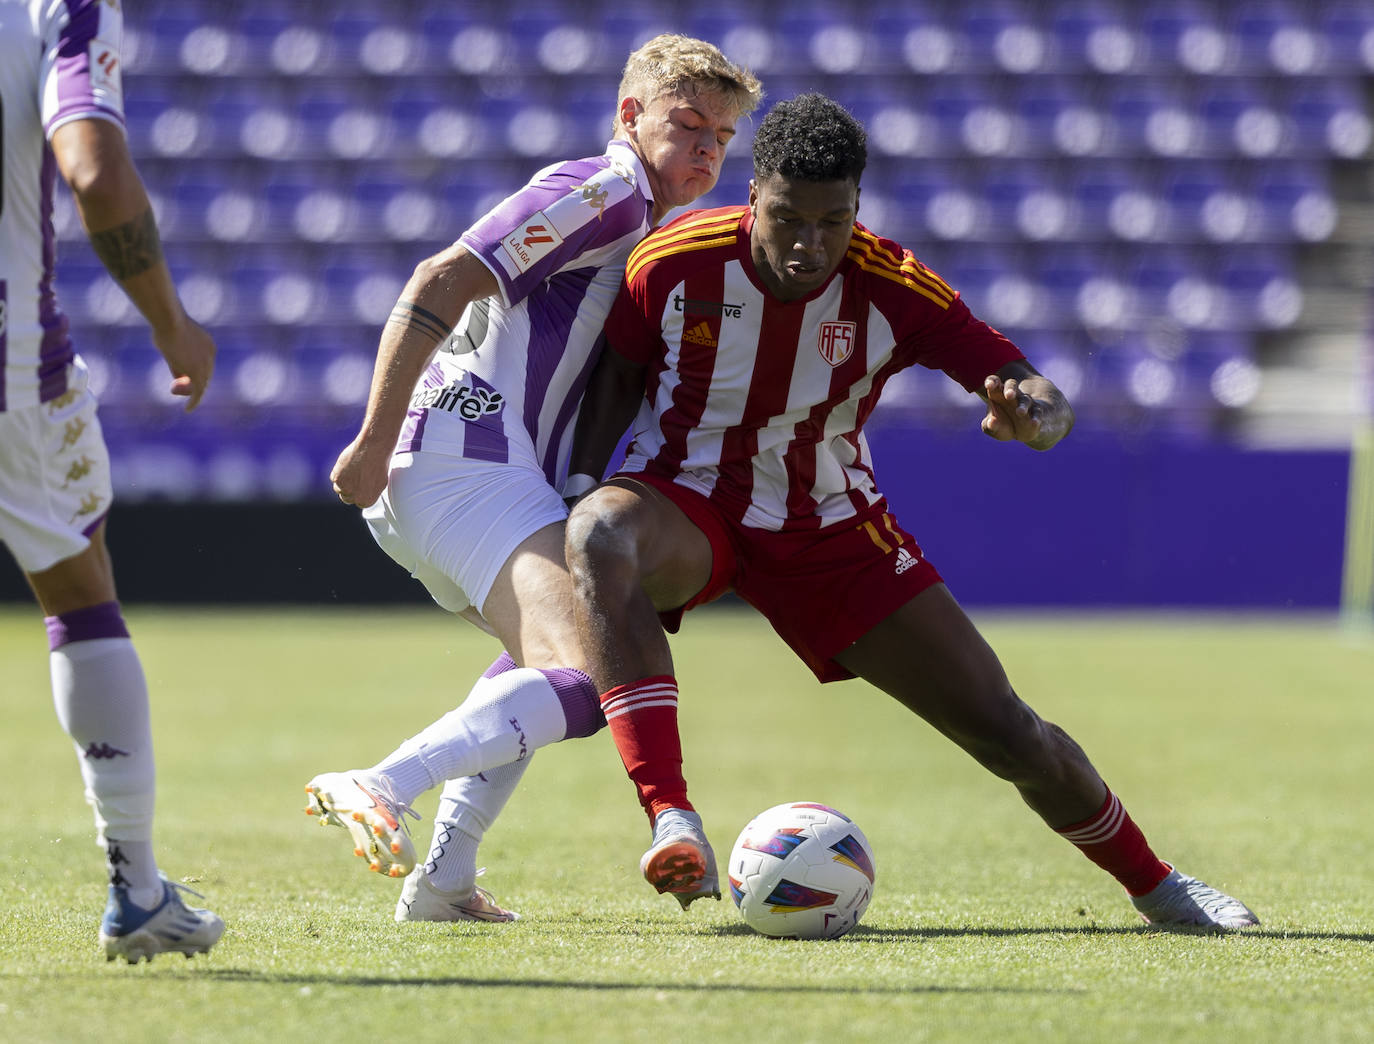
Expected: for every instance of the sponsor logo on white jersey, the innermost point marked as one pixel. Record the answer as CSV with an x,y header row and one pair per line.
x,y
469,403
532,241
905,560
836,342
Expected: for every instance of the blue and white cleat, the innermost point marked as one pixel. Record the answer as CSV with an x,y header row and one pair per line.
x,y
363,803
680,861
137,934
1180,901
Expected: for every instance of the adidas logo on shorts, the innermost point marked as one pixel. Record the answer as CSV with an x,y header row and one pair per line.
x,y
905,560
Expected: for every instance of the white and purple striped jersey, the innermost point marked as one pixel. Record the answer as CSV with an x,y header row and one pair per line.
x,y
59,61
516,366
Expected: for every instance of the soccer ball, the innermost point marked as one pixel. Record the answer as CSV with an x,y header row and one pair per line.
x,y
801,871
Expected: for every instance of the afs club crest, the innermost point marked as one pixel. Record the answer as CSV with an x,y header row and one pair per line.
x,y
836,343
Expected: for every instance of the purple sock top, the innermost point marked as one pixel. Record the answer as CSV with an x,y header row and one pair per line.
x,y
500,665
581,704
82,625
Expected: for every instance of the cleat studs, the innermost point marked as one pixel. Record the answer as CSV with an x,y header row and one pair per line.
x,y
395,848
311,810
375,867
358,817
359,853
394,871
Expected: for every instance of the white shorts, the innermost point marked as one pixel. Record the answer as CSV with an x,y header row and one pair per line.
x,y
454,522
54,476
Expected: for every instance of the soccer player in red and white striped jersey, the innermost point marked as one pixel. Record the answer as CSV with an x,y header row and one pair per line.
x,y
761,338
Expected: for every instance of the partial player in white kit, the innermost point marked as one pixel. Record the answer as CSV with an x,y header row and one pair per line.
x,y
461,460
61,106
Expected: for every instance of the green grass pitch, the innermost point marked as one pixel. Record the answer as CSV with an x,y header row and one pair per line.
x,y
1242,745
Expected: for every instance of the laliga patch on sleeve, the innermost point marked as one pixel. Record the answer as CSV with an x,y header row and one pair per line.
x,y
106,76
532,241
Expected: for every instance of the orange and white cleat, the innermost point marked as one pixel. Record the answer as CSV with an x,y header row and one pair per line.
x,y
680,860
364,804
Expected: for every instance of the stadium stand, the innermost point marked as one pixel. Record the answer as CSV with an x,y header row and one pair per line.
x,y
1160,199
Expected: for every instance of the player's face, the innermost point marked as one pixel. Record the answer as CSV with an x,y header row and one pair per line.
x,y
801,231
681,139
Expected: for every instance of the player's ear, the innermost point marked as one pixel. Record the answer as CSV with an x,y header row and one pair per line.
x,y
629,112
753,197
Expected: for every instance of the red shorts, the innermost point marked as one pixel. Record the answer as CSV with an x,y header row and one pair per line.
x,y
822,590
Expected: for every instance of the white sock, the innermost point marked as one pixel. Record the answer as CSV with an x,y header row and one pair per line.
x,y
102,702
504,719
467,808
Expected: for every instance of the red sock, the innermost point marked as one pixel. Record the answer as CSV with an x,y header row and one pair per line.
x,y
1111,839
643,720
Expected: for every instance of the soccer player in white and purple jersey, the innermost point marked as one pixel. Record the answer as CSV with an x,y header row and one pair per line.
x,y
61,107
760,338
461,458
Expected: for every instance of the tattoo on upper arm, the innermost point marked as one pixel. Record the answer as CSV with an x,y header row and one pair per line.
x,y
129,249
413,317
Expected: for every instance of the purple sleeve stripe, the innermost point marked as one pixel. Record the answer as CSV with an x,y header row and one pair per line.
x,y
82,625
75,95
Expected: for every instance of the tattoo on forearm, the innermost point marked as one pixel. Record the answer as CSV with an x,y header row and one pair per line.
x,y
411,316
129,249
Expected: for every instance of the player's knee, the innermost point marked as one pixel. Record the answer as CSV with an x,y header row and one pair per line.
x,y
599,542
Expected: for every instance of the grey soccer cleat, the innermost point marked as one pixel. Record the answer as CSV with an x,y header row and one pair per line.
x,y
1180,901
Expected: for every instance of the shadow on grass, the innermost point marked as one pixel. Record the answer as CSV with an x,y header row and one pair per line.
x,y
866,934
296,979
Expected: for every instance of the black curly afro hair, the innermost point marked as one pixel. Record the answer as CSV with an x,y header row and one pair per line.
x,y
811,138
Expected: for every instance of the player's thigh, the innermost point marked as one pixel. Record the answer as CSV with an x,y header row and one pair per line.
x,y
83,580
455,523
931,658
530,604
54,494
629,524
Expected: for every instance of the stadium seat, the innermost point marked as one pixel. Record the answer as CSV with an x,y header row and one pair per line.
x,y
1329,118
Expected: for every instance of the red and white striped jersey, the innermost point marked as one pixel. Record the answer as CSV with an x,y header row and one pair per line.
x,y
759,404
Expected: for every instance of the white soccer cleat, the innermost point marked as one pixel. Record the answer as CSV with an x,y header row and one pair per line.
x,y
137,934
680,860
421,901
364,804
1180,901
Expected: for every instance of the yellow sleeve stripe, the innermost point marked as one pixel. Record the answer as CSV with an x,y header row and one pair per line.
x,y
658,245
865,249
679,242
904,278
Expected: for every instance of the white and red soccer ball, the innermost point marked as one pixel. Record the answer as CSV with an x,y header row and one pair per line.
x,y
801,871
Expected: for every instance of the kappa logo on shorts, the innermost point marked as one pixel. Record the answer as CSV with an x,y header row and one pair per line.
x,y
905,560
469,403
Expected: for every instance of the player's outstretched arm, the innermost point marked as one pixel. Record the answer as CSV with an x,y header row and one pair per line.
x,y
1024,406
614,392
94,160
431,303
